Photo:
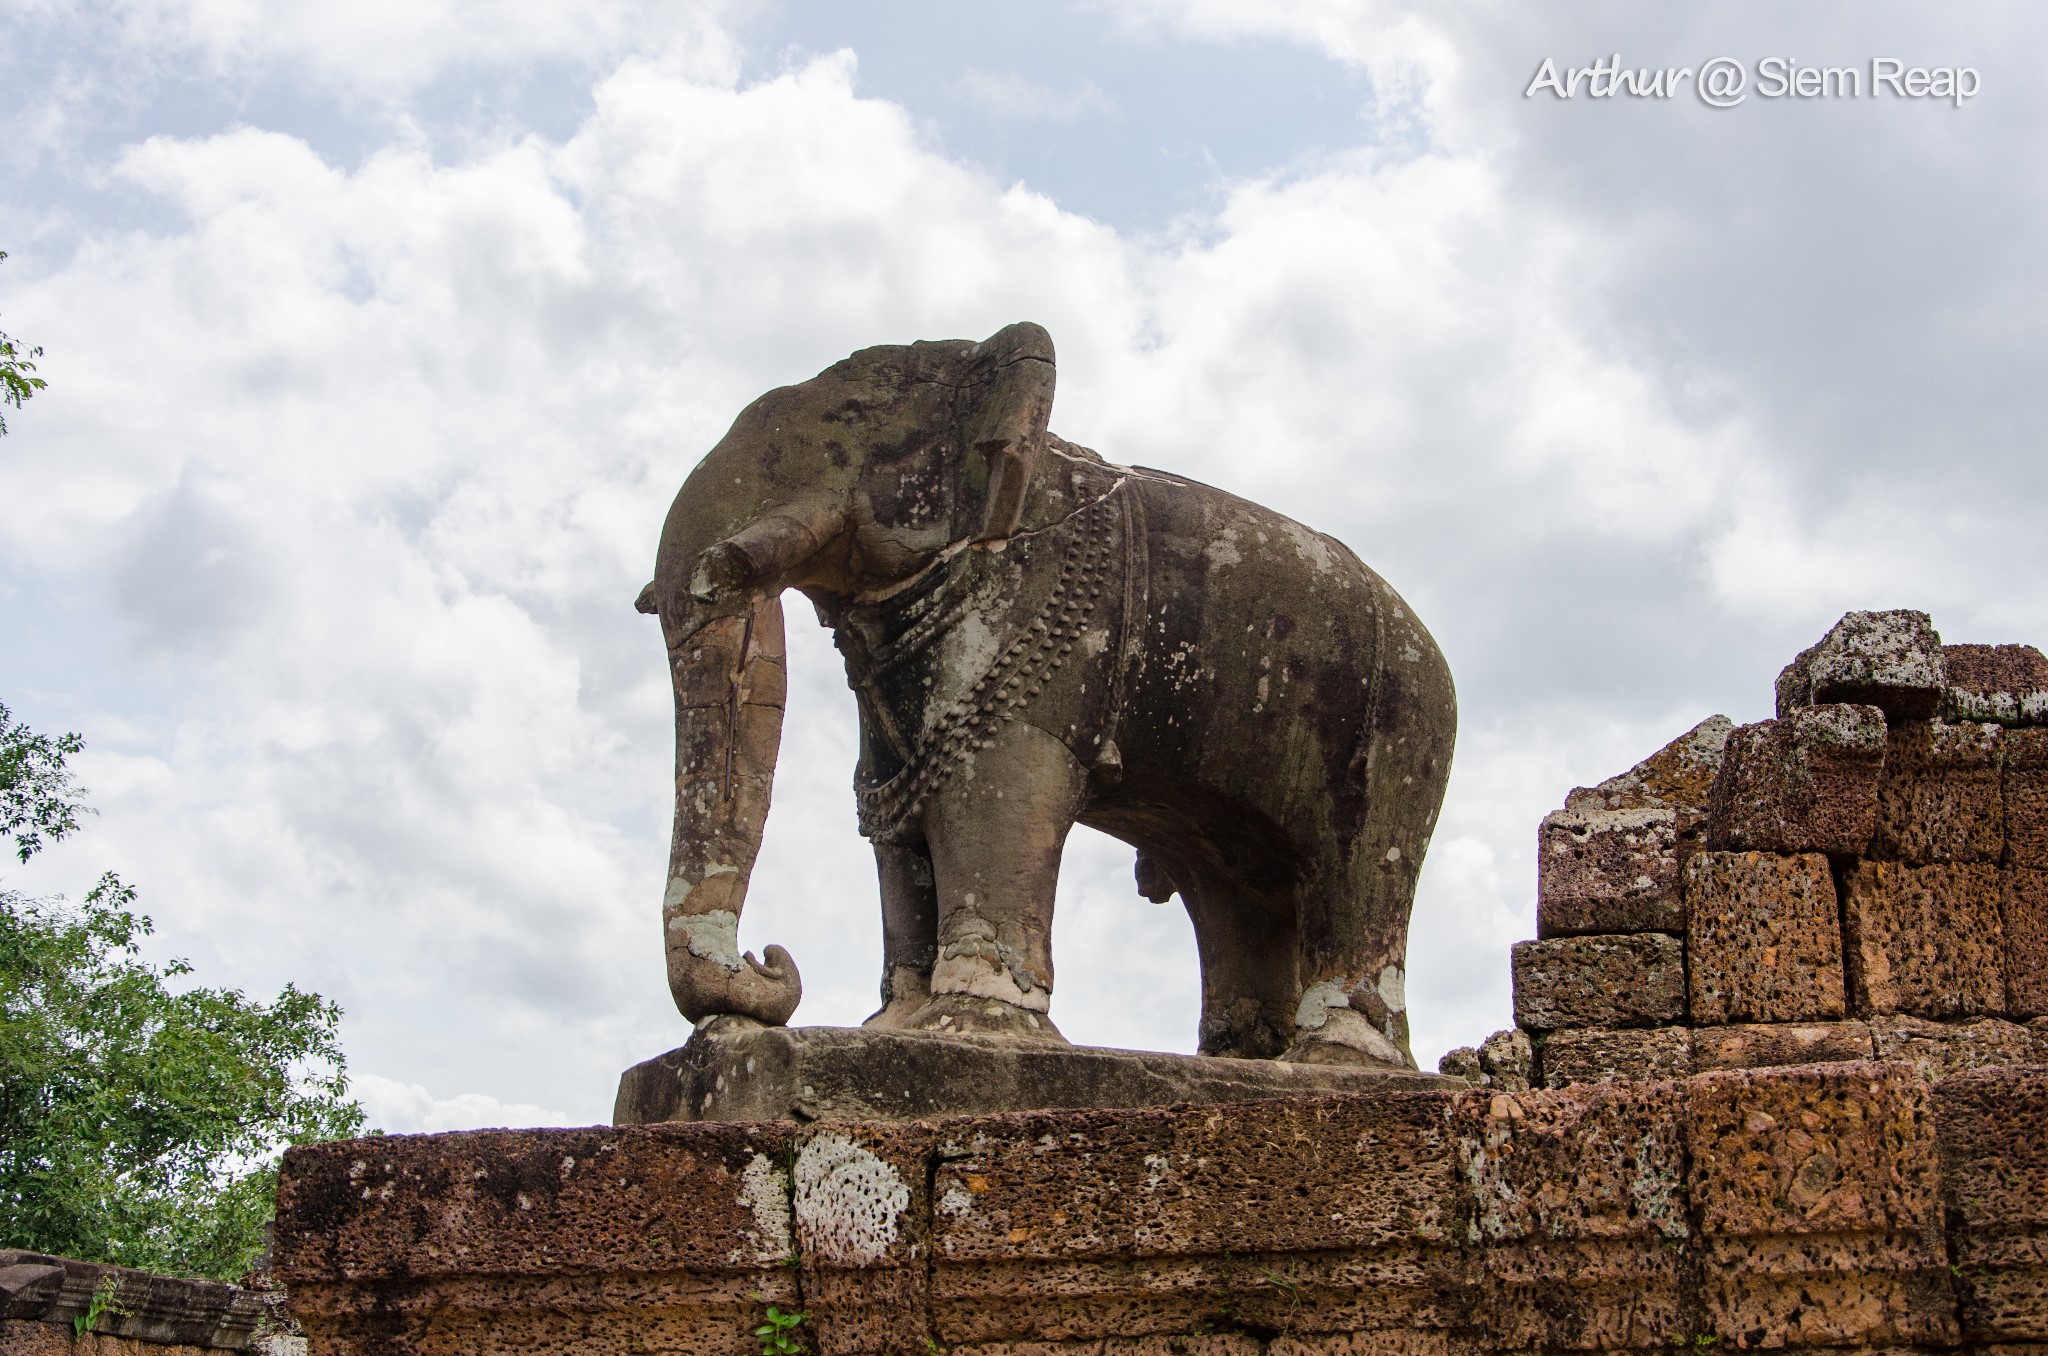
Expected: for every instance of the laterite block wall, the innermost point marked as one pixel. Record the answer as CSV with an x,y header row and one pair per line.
x,y
1864,876
1847,1205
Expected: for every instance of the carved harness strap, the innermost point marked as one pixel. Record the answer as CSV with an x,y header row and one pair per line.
x,y
1018,673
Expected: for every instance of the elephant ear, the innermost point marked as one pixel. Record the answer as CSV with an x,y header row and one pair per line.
x,y
1007,404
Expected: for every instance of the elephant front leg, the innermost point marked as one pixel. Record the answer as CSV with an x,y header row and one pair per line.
x,y
996,829
910,931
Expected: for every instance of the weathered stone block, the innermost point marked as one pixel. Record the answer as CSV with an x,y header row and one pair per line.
x,y
1410,1342
1599,981
1994,1178
1941,798
860,1209
1815,1194
1938,1049
1085,1225
2038,1029
1890,660
2026,798
2007,684
44,1298
1594,1055
668,1238
2023,912
1507,1060
1806,782
1608,871
1924,940
1579,1203
1775,1044
1763,938
1678,777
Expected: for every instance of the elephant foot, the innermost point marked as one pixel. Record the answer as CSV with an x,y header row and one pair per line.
x,y
959,1014
1346,1037
907,991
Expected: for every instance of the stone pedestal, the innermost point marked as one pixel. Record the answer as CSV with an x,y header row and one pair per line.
x,y
733,1069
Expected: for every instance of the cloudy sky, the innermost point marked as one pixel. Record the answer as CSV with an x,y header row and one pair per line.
x,y
380,335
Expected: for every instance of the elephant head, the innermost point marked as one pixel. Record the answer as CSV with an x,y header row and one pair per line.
x,y
844,487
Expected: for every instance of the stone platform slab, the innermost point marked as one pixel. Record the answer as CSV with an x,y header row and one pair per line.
x,y
734,1069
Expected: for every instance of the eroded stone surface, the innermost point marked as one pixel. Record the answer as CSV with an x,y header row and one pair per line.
x,y
1507,1060
1815,1190
1938,1049
1994,1161
1579,1202
1778,1207
1604,871
1342,1208
1763,939
1760,1046
1602,1056
2023,914
2026,798
1599,981
43,1297
1890,660
1678,777
1941,797
1806,782
2007,684
1924,940
858,1198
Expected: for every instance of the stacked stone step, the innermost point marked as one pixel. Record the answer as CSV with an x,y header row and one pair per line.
x,y
1864,876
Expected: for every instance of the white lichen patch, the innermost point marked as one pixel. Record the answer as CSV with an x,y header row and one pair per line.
x,y
715,936
764,1192
1316,1003
1311,547
847,1201
1393,987
1223,550
956,1202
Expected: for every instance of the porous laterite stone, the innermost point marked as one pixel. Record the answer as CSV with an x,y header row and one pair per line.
x,y
1763,938
1806,782
1773,1044
1890,660
1941,798
1815,1191
1994,1180
1937,1049
2007,684
1924,940
2023,911
1578,1200
1608,871
2026,798
1599,981
1640,1054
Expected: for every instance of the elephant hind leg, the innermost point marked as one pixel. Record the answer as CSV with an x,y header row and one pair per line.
x,y
1248,949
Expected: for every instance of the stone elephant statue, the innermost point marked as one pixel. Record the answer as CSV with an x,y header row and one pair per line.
x,y
1039,638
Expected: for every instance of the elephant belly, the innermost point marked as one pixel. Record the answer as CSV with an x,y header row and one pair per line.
x,y
1272,661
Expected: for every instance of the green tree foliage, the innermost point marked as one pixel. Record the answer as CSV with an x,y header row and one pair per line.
x,y
38,801
140,1115
18,381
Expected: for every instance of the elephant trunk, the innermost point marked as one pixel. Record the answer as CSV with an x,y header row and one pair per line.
x,y
729,678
